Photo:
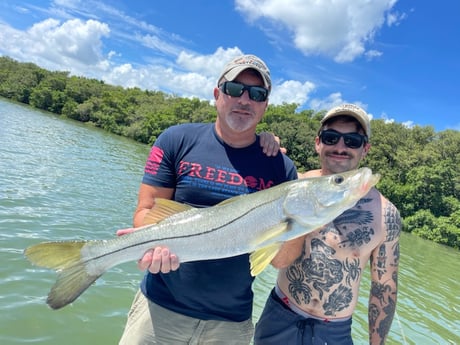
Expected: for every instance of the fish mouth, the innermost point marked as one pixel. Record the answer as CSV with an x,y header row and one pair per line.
x,y
370,180
375,178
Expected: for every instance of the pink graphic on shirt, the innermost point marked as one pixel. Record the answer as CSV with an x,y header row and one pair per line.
x,y
216,175
251,182
154,160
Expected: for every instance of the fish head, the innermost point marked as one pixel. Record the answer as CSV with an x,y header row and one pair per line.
x,y
319,200
347,187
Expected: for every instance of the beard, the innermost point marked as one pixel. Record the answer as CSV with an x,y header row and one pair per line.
x,y
240,122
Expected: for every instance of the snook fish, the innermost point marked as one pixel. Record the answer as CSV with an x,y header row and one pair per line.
x,y
256,223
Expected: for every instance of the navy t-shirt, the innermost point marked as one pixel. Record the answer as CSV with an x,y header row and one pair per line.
x,y
204,171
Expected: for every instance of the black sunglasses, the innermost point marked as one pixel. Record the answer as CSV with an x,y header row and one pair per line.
x,y
234,89
352,140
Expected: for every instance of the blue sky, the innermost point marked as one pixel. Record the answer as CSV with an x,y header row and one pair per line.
x,y
398,59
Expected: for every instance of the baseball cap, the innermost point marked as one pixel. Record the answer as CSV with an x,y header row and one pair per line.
x,y
353,111
243,62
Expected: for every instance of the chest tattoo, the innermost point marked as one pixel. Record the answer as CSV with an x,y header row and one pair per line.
x,y
320,273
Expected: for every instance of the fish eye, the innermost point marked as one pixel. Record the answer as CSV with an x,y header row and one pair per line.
x,y
338,179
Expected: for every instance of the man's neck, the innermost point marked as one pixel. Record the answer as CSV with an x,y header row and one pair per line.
x,y
236,139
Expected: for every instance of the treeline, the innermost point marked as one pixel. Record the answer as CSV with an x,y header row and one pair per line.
x,y
419,167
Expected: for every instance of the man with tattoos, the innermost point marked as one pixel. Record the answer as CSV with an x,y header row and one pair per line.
x,y
319,274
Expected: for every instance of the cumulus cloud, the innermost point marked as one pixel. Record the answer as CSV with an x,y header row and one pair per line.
x,y
330,101
209,65
196,75
51,44
340,29
292,91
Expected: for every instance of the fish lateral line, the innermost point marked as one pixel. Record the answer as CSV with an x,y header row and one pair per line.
x,y
168,238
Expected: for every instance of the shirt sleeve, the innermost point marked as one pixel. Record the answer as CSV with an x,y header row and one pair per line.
x,y
160,168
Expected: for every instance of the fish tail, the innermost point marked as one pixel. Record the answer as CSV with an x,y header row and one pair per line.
x,y
64,257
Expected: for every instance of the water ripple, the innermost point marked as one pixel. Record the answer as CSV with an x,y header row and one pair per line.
x,y
63,180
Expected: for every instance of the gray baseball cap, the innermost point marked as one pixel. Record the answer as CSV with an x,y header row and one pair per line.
x,y
350,110
243,62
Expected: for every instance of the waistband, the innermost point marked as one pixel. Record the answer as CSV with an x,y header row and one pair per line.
x,y
301,312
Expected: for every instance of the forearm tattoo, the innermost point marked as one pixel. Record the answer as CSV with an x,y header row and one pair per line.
x,y
382,292
385,324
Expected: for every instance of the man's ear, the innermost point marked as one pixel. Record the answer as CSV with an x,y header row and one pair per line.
x,y
366,148
216,93
317,142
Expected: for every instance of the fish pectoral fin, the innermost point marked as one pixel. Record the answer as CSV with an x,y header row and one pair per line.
x,y
261,258
164,208
271,233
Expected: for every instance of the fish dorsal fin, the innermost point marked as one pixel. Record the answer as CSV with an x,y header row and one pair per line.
x,y
164,208
261,258
229,200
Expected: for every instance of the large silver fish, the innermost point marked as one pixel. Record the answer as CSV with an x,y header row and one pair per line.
x,y
256,223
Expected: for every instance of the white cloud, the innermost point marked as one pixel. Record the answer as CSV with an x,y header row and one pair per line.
x,y
340,29
395,18
209,65
333,100
388,120
329,102
291,91
51,44
372,54
154,43
193,75
196,76
77,45
408,124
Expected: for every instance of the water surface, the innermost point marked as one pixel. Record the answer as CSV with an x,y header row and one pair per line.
x,y
60,180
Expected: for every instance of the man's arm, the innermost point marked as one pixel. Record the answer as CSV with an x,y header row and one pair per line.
x,y
289,251
157,259
146,200
292,249
384,277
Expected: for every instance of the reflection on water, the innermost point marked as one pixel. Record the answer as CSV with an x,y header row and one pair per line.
x,y
63,180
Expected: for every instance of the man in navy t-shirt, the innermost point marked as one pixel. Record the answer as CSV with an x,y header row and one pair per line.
x,y
206,302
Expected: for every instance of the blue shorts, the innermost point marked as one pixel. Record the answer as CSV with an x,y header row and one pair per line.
x,y
278,324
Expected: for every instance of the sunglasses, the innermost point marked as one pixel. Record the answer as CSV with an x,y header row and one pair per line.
x,y
351,140
234,89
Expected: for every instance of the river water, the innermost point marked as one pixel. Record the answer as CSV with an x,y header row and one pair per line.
x,y
61,180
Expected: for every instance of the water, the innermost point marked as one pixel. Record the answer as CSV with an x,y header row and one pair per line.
x,y
63,180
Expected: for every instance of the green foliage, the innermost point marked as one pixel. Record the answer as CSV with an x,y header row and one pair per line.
x,y
419,167
443,230
297,132
17,80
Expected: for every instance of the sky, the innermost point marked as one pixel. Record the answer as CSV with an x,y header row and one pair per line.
x,y
398,59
